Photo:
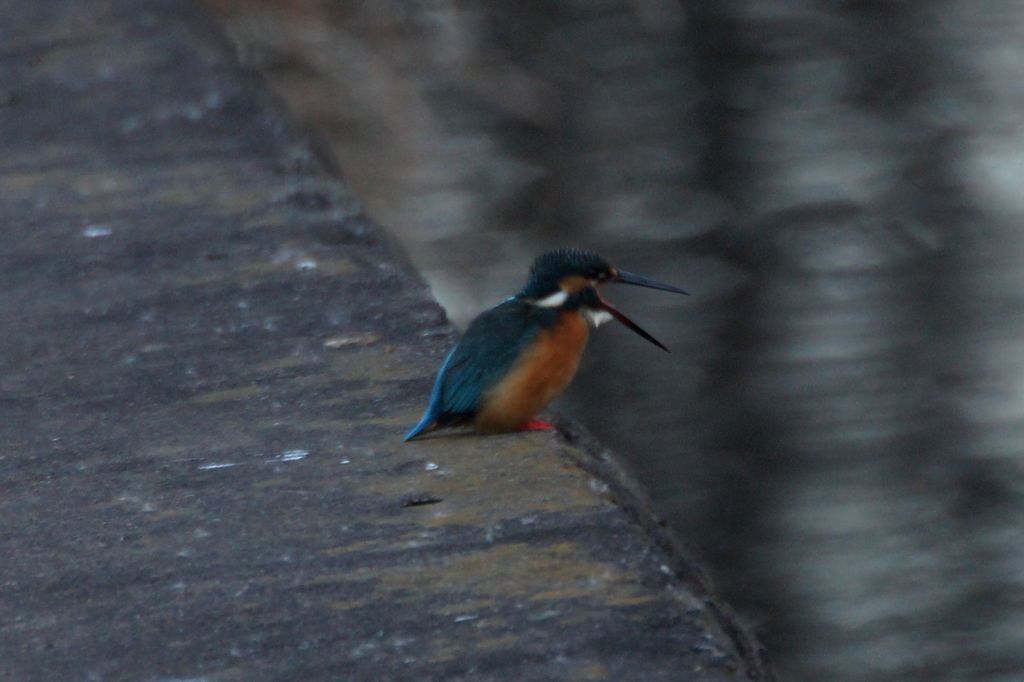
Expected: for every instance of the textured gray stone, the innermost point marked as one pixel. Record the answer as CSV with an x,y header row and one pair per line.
x,y
209,356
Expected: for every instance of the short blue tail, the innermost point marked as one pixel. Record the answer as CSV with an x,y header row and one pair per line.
x,y
436,407
424,424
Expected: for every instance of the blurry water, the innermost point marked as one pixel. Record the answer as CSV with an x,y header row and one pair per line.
x,y
838,430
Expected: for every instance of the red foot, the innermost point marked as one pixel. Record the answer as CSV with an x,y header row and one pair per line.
x,y
537,425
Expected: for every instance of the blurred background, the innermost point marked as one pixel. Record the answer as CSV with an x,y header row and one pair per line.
x,y
839,432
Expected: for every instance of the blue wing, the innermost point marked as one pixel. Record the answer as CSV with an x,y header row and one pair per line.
x,y
485,354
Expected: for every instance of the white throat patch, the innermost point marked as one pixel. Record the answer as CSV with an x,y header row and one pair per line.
x,y
554,300
597,317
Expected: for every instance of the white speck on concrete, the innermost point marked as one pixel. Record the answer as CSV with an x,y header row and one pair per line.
x,y
305,264
465,618
218,465
95,231
292,455
431,466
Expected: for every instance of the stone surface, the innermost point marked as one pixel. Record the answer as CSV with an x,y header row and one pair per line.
x,y
209,356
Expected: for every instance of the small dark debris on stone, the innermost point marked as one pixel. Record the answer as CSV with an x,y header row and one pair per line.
x,y
421,501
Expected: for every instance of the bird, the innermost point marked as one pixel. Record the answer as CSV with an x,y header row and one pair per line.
x,y
518,356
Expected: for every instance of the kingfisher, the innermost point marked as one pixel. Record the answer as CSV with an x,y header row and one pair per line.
x,y
520,355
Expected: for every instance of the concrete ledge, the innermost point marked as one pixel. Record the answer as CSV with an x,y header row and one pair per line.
x,y
209,358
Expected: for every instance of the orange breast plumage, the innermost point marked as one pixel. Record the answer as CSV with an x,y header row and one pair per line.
x,y
538,376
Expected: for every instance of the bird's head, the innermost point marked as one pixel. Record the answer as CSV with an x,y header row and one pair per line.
x,y
570,278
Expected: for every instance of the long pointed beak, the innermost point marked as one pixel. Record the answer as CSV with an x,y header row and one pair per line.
x,y
641,281
618,315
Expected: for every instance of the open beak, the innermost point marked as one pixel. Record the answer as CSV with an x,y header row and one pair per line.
x,y
640,281
618,315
